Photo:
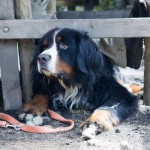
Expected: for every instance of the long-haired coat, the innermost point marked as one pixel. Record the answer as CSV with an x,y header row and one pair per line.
x,y
69,71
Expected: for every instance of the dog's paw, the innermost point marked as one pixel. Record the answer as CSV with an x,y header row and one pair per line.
x,y
30,119
32,112
99,121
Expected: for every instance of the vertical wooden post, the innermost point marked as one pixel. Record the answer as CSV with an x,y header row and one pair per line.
x,y
26,48
147,66
9,62
51,7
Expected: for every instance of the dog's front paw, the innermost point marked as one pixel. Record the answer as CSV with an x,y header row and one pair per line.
x,y
30,119
32,112
99,121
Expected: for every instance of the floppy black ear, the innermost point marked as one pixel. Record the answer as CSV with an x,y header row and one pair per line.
x,y
89,58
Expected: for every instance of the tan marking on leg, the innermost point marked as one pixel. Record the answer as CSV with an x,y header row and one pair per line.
x,y
38,105
136,88
103,118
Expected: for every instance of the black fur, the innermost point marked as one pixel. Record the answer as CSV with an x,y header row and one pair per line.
x,y
93,71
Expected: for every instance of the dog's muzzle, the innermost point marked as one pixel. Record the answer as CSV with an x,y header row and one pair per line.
x,y
43,58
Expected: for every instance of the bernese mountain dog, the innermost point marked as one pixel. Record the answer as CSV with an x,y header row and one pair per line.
x,y
69,71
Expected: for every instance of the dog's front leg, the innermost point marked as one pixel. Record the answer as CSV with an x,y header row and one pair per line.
x,y
32,111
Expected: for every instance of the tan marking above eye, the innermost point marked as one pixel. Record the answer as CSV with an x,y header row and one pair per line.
x,y
45,42
59,38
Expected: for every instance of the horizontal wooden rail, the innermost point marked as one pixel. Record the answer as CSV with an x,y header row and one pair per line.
x,y
30,29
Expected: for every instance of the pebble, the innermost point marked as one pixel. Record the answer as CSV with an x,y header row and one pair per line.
x,y
117,131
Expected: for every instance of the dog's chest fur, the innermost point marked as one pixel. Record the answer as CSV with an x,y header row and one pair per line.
x,y
70,98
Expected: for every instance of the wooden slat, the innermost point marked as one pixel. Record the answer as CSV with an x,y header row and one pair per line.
x,y
5,12
51,7
93,14
9,63
26,53
10,75
147,73
23,29
147,67
23,9
26,49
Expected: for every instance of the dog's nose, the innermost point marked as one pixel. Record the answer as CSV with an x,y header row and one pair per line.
x,y
43,58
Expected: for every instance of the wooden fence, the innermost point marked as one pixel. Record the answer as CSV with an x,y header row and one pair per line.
x,y
23,31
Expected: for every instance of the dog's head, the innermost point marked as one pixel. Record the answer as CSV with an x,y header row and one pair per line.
x,y
66,51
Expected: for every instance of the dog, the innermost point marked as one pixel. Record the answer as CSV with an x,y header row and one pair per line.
x,y
69,72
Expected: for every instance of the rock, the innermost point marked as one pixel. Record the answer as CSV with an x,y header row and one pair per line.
x,y
117,131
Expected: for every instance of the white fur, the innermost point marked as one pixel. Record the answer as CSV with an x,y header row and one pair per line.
x,y
29,117
21,116
38,120
72,96
51,64
89,132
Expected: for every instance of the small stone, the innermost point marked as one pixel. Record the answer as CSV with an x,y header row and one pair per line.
x,y
117,131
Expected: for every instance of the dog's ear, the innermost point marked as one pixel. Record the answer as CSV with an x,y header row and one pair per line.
x,y
89,58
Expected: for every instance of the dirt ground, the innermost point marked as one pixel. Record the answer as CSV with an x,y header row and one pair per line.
x,y
133,134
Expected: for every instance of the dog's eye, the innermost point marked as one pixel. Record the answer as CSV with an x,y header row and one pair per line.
x,y
63,46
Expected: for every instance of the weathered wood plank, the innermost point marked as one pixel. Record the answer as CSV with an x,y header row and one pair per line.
x,y
5,12
128,27
93,14
9,63
147,73
51,7
26,49
10,75
23,9
147,67
26,53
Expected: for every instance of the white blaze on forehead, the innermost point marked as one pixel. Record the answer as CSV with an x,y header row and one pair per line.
x,y
52,52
